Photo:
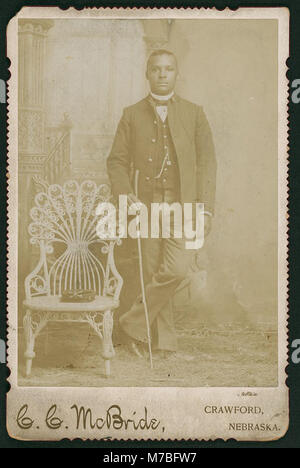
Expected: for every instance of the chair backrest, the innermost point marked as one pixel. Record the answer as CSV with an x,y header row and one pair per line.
x,y
64,224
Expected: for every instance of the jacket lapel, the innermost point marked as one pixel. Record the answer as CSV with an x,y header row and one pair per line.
x,y
179,122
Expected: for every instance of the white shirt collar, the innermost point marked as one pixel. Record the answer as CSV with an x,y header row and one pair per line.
x,y
162,98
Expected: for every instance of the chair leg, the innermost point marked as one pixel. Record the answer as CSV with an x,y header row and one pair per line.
x,y
104,330
29,339
107,344
32,328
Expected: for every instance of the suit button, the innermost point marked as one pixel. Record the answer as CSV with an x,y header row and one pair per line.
x,y
153,140
155,122
147,178
150,159
164,180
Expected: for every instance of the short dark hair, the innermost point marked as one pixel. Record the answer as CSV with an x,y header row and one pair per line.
x,y
159,52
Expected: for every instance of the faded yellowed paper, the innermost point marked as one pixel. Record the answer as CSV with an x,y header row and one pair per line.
x,y
72,75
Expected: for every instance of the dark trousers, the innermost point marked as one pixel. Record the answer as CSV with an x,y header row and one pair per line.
x,y
165,264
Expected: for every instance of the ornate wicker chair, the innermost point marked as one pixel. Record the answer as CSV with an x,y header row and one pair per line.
x,y
64,224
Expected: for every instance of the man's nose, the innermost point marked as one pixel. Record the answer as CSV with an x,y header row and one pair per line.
x,y
162,73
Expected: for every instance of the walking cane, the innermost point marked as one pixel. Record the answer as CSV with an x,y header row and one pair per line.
x,y
136,178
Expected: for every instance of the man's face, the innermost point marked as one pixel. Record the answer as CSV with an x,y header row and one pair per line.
x,y
162,74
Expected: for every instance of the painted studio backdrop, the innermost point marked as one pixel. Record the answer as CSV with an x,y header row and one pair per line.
x,y
75,78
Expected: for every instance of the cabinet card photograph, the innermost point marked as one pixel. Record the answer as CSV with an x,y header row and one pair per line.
x,y
147,239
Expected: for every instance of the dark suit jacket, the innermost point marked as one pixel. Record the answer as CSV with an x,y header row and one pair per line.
x,y
134,146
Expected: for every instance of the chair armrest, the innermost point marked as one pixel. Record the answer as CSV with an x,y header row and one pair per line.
x,y
113,281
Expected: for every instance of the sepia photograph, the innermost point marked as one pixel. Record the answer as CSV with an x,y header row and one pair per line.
x,y
149,161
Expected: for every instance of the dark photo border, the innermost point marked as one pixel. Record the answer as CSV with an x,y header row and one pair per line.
x,y
8,9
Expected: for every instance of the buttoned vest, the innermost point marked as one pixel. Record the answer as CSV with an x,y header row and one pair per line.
x,y
165,166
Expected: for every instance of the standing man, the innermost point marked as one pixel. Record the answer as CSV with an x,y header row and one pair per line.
x,y
168,140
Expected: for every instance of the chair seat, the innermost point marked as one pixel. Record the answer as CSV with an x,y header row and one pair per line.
x,y
53,304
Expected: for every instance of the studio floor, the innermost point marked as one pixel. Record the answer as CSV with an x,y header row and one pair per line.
x,y
225,355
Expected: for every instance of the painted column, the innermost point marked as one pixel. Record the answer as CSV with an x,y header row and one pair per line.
x,y
31,118
32,37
